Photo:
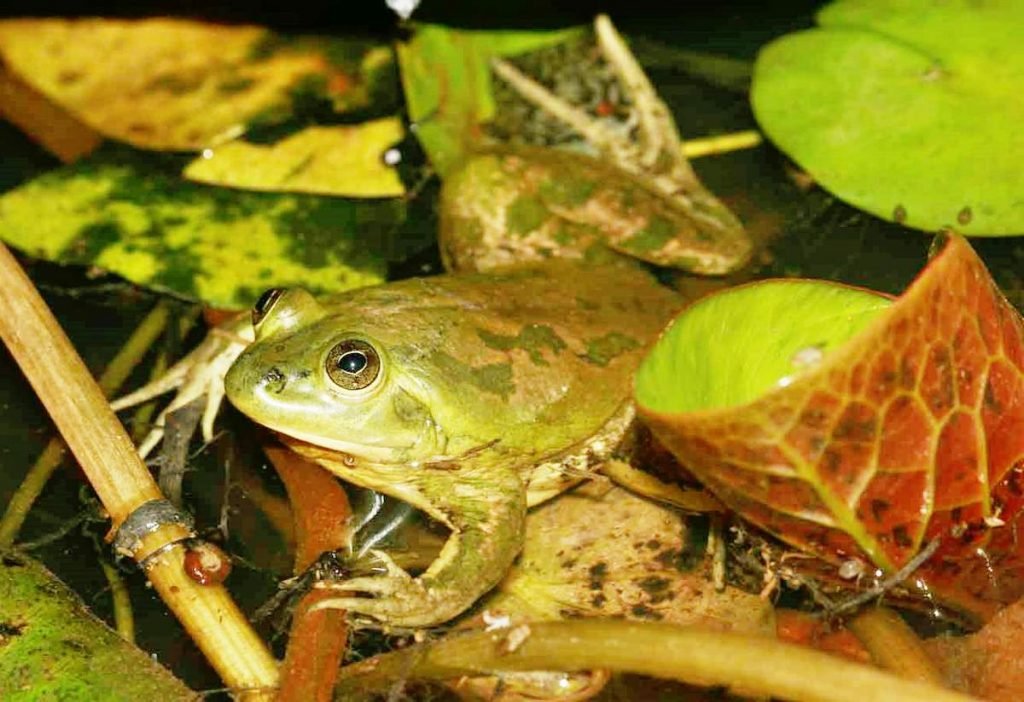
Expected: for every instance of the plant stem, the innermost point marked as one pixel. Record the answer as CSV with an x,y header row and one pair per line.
x,y
751,665
722,144
108,458
124,619
119,368
893,644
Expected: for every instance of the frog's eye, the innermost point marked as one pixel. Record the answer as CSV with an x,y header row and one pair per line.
x,y
353,364
266,303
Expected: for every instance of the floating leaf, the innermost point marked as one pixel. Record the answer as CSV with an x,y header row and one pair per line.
x,y
335,160
446,75
219,245
178,84
639,561
908,432
908,109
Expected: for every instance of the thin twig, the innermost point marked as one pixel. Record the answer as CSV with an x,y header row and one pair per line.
x,y
883,586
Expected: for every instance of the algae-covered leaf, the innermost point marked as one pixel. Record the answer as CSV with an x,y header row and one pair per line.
x,y
446,76
219,245
327,160
869,449
177,84
908,109
55,648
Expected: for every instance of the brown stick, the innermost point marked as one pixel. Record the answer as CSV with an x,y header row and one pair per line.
x,y
107,455
894,645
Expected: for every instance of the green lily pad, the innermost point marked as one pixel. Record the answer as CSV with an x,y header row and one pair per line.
x,y
446,76
908,109
217,245
730,348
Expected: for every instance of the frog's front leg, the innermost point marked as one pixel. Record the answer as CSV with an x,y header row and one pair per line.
x,y
485,510
199,373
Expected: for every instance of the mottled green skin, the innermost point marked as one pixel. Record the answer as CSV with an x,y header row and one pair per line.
x,y
529,204
484,377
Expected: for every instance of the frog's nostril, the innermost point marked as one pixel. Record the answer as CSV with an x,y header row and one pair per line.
x,y
273,381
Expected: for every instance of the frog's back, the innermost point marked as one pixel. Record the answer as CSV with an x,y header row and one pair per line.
x,y
536,358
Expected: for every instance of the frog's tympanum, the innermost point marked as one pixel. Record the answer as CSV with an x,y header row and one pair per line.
x,y
475,395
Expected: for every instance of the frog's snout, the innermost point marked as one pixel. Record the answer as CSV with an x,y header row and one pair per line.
x,y
245,383
273,381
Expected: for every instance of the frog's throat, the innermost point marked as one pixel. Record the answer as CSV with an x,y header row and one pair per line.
x,y
350,449
388,477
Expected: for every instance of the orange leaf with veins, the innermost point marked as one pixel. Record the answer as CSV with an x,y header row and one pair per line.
x,y
911,431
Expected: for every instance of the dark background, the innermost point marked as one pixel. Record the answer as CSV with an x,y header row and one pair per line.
x,y
724,26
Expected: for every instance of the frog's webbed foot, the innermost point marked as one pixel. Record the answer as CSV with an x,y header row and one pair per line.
x,y
652,152
394,598
199,373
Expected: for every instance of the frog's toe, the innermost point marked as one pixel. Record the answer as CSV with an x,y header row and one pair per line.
x,y
393,569
372,585
200,373
357,605
396,603
386,611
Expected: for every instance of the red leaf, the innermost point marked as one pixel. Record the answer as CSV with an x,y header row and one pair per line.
x,y
911,431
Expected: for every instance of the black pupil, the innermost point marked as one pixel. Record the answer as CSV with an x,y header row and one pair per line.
x,y
352,362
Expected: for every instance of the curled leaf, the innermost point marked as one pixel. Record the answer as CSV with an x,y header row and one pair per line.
x,y
872,435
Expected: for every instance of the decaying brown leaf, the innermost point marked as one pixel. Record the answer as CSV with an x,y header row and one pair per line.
x,y
606,552
159,83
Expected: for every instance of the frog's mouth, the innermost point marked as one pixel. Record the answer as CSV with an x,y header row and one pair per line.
x,y
346,452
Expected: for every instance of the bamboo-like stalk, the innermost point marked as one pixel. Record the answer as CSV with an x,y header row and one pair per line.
x,y
751,665
893,644
123,483
119,368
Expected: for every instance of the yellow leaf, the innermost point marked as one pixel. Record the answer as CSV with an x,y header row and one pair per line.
x,y
158,83
336,160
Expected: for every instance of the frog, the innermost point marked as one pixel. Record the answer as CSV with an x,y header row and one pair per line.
x,y
471,397
479,393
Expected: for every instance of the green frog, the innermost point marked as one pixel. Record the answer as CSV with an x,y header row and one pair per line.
x,y
472,397
476,394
